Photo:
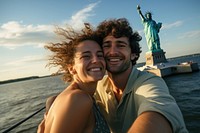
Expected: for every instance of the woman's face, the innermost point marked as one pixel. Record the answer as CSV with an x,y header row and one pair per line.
x,y
89,64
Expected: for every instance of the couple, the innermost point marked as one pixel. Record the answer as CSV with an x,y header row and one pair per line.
x,y
130,100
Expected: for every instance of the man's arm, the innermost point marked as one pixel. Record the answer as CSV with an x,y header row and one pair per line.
x,y
151,122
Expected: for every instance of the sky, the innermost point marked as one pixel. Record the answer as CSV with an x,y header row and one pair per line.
x,y
27,25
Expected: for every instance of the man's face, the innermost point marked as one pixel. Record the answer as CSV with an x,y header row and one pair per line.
x,y
117,54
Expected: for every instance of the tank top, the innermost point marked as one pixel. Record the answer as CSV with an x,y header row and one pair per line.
x,y
101,125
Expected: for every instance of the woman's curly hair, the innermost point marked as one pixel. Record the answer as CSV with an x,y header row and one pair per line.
x,y
64,52
121,28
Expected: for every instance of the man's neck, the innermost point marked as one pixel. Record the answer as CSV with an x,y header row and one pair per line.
x,y
119,82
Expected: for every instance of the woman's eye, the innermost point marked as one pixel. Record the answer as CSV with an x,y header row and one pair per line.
x,y
100,55
85,57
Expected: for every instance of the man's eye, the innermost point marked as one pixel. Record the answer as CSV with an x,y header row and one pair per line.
x,y
121,45
106,45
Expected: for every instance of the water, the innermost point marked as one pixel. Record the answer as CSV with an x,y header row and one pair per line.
x,y
186,90
19,100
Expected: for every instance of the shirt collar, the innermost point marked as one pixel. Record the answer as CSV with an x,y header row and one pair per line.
x,y
131,80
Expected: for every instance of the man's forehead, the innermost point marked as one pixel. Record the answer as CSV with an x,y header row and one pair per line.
x,y
114,38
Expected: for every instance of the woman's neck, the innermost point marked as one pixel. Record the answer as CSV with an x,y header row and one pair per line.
x,y
90,87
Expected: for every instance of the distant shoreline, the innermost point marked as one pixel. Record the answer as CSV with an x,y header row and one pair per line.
x,y
197,54
35,77
22,79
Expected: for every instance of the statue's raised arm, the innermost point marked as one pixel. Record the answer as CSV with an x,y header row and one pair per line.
x,y
140,12
151,30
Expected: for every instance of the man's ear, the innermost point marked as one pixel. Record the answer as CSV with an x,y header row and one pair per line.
x,y
133,56
72,70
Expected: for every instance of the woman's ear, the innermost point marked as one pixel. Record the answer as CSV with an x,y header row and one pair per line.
x,y
72,70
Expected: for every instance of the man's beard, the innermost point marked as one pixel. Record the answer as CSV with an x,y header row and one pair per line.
x,y
120,69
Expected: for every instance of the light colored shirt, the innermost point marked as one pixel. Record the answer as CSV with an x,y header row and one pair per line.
x,y
143,92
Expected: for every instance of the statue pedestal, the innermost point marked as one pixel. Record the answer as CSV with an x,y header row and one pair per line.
x,y
157,64
155,57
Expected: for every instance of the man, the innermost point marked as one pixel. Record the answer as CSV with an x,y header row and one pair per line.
x,y
131,100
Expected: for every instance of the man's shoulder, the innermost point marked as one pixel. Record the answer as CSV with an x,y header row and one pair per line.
x,y
143,76
137,74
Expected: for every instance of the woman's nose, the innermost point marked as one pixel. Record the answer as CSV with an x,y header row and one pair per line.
x,y
95,59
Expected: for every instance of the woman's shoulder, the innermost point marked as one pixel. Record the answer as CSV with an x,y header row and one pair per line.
x,y
75,96
70,105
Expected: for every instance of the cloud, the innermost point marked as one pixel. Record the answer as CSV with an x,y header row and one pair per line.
x,y
172,25
190,34
15,34
78,19
26,60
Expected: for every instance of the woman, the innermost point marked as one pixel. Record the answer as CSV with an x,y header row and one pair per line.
x,y
80,58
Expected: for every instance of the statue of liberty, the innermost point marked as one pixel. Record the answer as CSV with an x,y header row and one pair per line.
x,y
151,30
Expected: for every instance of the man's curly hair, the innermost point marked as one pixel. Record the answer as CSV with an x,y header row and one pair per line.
x,y
121,28
64,52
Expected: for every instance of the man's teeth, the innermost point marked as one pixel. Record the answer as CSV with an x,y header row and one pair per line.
x,y
114,59
95,69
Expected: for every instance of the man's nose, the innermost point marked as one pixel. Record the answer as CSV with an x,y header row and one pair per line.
x,y
112,50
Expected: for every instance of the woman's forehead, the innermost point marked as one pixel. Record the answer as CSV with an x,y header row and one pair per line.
x,y
88,45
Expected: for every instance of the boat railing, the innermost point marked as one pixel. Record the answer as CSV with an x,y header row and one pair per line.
x,y
22,121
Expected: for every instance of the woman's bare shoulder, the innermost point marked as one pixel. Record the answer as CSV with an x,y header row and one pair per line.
x,y
71,105
74,98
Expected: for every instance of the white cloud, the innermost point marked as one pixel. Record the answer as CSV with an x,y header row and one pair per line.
x,y
26,60
172,25
191,34
78,19
16,34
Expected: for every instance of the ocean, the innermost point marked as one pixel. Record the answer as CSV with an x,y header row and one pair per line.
x,y
18,100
